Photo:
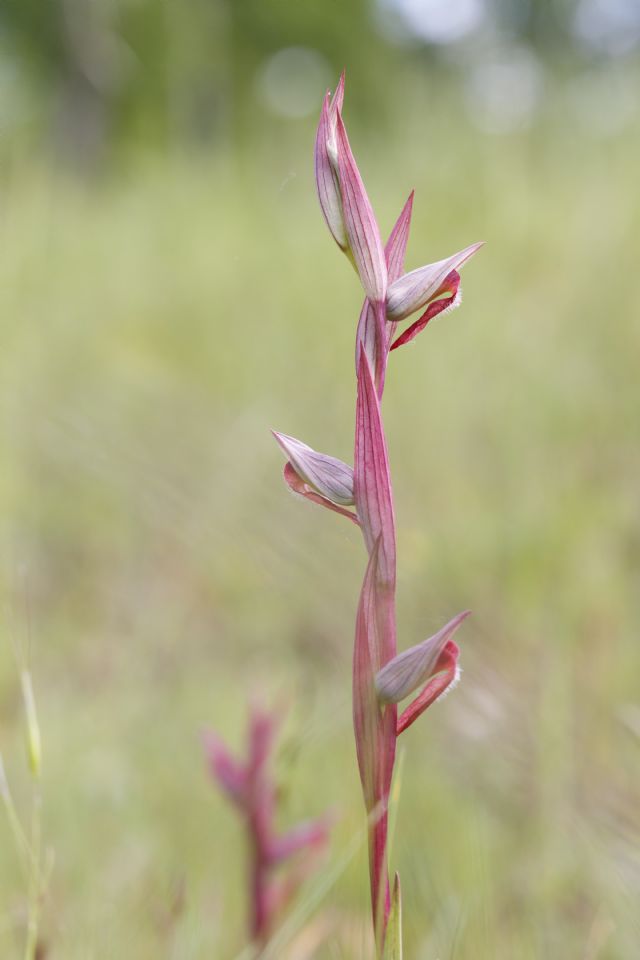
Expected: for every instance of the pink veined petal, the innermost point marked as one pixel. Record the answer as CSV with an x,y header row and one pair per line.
x,y
413,290
413,667
447,675
326,176
449,294
372,480
229,774
360,223
329,476
396,245
302,489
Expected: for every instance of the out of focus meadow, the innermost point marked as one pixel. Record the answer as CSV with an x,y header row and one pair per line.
x,y
169,293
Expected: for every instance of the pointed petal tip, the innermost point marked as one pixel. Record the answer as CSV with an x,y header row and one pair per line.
x,y
281,440
338,96
455,621
469,252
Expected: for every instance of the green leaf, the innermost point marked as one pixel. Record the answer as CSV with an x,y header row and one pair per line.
x,y
393,936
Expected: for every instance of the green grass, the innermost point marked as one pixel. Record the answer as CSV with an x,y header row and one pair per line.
x,y
153,328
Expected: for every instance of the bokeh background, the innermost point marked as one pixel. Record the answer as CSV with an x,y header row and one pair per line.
x,y
168,294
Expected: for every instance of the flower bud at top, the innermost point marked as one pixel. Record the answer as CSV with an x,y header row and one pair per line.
x,y
326,167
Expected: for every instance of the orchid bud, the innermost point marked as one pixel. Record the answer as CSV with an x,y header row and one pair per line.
x,y
326,166
329,476
415,289
414,667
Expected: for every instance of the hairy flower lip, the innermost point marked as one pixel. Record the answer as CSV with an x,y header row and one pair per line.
x,y
439,684
414,667
414,290
330,477
446,299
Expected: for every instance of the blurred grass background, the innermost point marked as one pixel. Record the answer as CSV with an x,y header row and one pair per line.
x,y
169,293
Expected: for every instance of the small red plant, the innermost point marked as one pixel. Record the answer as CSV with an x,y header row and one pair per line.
x,y
381,677
251,788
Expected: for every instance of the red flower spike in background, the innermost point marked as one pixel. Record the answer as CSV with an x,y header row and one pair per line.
x,y
381,676
250,787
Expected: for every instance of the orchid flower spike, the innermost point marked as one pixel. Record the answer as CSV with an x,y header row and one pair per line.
x,y
381,677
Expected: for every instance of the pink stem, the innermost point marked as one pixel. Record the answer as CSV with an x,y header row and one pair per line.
x,y
375,643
